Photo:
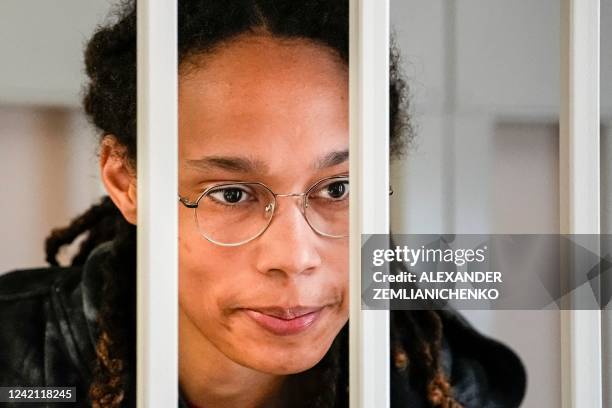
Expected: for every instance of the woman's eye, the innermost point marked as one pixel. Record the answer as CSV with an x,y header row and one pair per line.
x,y
337,190
230,195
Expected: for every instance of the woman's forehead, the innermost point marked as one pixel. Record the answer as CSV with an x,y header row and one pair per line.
x,y
265,76
257,55
272,102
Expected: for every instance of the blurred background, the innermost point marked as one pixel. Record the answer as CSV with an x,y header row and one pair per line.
x,y
48,162
484,79
484,83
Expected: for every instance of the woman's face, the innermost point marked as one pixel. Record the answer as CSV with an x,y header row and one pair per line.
x,y
272,111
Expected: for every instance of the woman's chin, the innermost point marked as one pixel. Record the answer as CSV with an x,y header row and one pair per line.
x,y
280,359
289,364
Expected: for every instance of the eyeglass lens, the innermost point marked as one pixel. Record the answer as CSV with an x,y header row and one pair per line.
x,y
235,213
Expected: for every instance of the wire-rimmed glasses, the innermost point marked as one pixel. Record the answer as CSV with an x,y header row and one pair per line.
x,y
234,213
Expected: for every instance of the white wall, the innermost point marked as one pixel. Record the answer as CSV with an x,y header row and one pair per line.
x,y
48,163
42,46
484,78
49,175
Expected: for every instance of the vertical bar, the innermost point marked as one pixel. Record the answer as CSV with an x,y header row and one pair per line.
x,y
579,182
369,122
448,146
606,189
157,350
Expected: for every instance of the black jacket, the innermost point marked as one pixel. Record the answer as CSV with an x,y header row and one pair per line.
x,y
48,332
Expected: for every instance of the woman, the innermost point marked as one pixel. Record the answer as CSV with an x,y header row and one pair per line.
x,y
263,248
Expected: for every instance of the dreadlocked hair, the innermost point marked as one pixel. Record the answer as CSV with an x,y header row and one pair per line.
x,y
110,103
116,346
103,222
416,339
99,222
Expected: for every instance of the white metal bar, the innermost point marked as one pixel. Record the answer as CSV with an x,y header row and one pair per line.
x,y
369,166
157,344
579,185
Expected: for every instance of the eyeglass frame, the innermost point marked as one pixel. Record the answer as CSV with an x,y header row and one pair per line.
x,y
194,204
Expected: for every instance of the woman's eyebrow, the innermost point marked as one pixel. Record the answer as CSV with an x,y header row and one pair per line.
x,y
332,159
230,163
242,164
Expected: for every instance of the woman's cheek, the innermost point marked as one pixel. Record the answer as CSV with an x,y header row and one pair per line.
x,y
336,258
209,281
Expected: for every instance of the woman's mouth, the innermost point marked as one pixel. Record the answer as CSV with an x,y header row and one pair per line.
x,y
284,321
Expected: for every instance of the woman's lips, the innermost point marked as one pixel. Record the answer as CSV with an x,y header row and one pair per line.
x,y
284,321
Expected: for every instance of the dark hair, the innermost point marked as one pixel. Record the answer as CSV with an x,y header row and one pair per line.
x,y
110,102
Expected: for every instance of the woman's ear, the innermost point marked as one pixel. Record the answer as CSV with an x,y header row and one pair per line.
x,y
118,177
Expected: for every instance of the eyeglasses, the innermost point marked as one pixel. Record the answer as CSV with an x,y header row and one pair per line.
x,y
232,214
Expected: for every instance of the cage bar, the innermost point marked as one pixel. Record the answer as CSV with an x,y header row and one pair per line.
x,y
581,351
157,293
369,168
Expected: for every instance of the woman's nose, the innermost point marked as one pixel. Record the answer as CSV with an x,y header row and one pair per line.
x,y
289,245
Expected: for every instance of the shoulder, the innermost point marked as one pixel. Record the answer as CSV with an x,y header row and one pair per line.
x,y
30,320
483,371
33,284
